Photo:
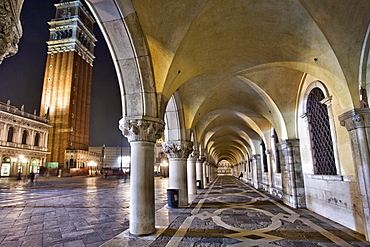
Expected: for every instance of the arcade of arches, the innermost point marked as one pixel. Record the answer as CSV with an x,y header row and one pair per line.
x,y
278,89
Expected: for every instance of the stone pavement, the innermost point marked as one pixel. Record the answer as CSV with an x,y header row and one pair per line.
x,y
93,211
231,213
78,211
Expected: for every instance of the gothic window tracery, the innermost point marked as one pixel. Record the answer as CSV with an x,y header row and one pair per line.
x,y
321,140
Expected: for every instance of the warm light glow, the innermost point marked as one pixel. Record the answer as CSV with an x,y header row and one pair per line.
x,y
92,163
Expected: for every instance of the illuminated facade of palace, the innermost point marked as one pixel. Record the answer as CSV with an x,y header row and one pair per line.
x,y
23,141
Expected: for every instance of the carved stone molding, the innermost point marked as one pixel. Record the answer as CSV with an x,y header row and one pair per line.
x,y
200,159
194,155
10,27
177,149
355,118
141,129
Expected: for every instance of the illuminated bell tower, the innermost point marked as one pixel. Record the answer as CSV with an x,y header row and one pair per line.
x,y
68,76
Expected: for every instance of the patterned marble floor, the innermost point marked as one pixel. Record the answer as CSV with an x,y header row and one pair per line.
x,y
231,213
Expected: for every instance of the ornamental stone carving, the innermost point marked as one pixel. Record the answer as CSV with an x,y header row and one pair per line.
x,y
201,159
142,129
177,149
10,27
355,118
194,155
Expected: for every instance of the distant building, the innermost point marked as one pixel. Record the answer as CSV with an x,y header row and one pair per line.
x,y
23,141
114,157
67,82
80,163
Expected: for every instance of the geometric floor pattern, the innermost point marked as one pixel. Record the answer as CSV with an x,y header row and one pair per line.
x,y
231,213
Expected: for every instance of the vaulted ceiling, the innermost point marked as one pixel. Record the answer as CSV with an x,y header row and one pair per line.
x,y
238,65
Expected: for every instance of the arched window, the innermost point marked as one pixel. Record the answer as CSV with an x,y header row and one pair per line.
x,y
10,134
321,140
37,139
24,137
264,157
277,154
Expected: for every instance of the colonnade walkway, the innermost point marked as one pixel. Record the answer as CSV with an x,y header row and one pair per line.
x,y
231,213
94,211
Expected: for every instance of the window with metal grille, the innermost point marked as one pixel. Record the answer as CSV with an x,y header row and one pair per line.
x,y
264,157
321,141
277,155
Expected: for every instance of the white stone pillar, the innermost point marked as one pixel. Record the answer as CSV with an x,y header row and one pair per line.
x,y
211,175
204,177
270,154
291,174
178,153
191,166
357,123
142,135
257,170
199,171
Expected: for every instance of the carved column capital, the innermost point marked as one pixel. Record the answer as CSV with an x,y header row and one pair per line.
x,y
201,158
355,118
177,149
143,129
194,155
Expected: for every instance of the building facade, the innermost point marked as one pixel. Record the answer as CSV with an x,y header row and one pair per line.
x,y
66,92
113,157
23,141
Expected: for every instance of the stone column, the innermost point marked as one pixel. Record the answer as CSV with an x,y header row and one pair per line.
x,y
291,174
270,156
199,170
142,135
204,178
357,122
211,173
178,153
191,165
257,170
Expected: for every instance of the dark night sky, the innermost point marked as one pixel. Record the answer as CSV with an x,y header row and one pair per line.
x,y
21,76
